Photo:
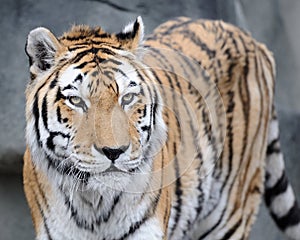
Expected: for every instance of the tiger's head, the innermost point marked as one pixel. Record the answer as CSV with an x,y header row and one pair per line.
x,y
92,107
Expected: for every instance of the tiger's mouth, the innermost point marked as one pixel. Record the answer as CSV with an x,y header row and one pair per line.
x,y
113,169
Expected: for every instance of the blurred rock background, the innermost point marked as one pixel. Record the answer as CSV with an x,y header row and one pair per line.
x,y
274,22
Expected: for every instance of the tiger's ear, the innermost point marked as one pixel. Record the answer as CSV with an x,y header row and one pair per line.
x,y
41,47
132,35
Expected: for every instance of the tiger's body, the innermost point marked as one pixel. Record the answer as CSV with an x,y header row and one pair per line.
x,y
172,138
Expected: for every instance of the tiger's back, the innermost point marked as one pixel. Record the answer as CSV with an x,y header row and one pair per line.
x,y
213,85
243,72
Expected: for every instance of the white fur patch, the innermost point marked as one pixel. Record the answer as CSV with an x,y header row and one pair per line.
x,y
273,131
293,232
283,202
275,167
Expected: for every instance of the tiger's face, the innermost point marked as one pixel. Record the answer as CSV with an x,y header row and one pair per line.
x,y
91,109
105,120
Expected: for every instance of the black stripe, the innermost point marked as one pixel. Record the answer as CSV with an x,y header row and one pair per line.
x,y
145,128
77,47
232,230
78,78
178,192
59,95
36,114
280,187
82,54
45,112
58,113
154,113
74,38
151,113
272,148
80,66
145,111
53,83
206,124
69,86
197,41
107,51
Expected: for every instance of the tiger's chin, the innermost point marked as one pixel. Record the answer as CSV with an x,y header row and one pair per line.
x,y
118,181
119,177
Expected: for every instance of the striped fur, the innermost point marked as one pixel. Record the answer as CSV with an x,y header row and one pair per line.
x,y
165,138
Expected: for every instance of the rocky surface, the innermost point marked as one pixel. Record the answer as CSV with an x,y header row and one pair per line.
x,y
274,22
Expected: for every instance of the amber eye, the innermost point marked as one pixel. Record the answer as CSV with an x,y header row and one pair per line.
x,y
127,98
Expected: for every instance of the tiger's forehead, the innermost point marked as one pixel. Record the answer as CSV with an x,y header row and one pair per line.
x,y
91,82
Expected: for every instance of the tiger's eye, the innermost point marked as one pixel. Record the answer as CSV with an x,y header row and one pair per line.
x,y
127,98
75,100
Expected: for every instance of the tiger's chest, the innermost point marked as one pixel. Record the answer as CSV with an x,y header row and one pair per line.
x,y
116,217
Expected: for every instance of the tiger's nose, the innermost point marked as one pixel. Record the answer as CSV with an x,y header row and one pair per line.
x,y
112,153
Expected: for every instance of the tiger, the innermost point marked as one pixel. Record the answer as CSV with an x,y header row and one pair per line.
x,y
170,136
